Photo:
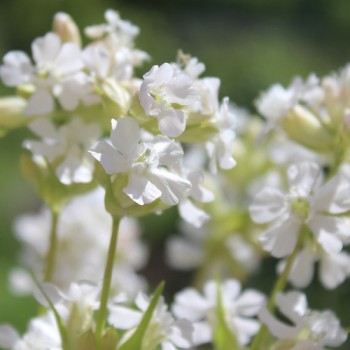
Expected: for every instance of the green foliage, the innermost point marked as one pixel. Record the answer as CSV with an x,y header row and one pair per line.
x,y
224,338
135,341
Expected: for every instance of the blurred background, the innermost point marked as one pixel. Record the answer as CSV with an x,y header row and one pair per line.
x,y
248,44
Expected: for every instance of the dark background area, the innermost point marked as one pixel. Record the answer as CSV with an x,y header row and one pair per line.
x,y
248,44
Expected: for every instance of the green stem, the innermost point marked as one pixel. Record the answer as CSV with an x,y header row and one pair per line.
x,y
107,278
278,287
52,251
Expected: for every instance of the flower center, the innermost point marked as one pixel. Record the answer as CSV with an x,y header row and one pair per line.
x,y
300,207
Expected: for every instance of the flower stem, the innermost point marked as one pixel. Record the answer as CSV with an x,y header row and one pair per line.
x,y
52,251
107,278
278,287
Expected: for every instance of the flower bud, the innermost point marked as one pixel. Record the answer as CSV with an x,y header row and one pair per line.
x,y
11,113
303,127
64,26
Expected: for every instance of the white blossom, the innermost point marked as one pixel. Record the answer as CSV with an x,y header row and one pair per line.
x,y
54,65
220,148
147,164
162,94
66,146
310,329
334,268
306,203
42,334
163,329
202,310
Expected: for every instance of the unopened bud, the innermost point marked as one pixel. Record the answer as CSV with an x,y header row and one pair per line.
x,y
66,28
12,113
303,127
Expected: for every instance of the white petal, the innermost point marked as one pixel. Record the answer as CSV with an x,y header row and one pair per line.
x,y
244,329
334,269
276,327
171,122
142,301
330,243
304,177
17,68
166,345
181,333
45,49
8,336
68,60
112,161
293,305
281,237
40,102
267,205
123,318
224,149
47,291
303,269
191,305
125,136
230,290
198,192
44,128
202,333
97,59
168,151
141,190
172,186
192,214
179,90
249,303
334,196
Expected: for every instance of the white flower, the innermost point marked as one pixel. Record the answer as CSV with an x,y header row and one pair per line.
x,y
124,31
277,100
334,268
202,310
55,64
163,329
117,36
220,148
42,334
306,203
310,329
162,93
187,209
146,163
67,146
275,103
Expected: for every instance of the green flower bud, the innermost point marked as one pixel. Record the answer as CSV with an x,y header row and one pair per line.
x,y
305,128
87,341
117,203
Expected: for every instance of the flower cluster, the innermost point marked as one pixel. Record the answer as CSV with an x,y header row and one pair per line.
x,y
108,147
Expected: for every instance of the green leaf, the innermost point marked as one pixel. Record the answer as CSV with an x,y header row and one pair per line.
x,y
135,341
224,339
